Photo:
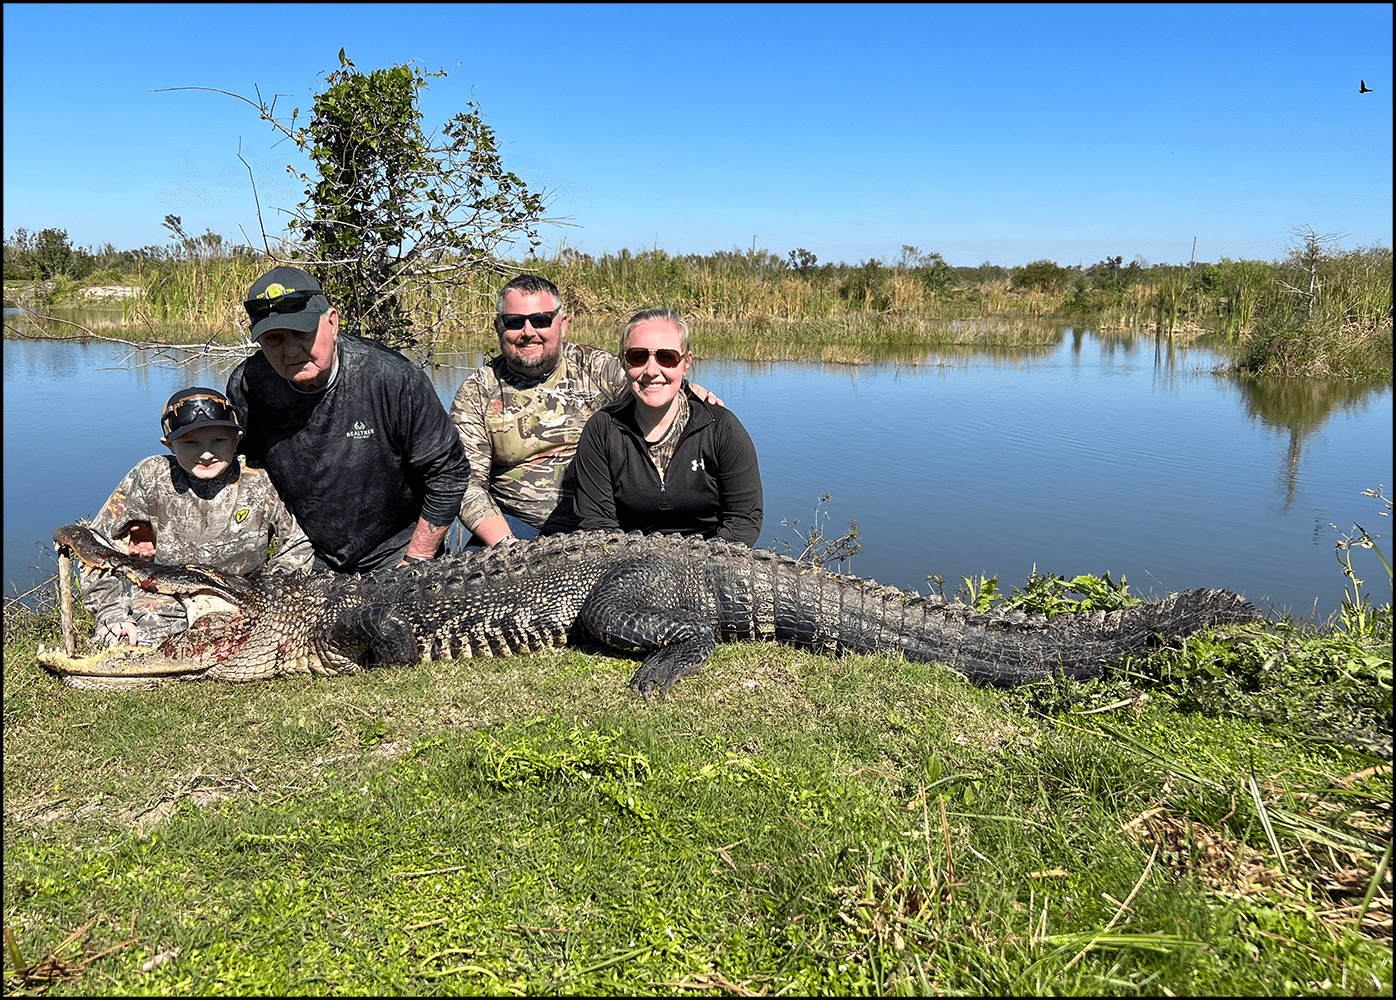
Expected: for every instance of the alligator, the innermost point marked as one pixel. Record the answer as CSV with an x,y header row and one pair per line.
x,y
669,597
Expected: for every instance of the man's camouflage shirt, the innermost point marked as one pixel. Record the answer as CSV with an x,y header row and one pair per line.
x,y
226,523
520,434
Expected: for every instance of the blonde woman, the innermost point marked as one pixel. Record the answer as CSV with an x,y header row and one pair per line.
x,y
662,460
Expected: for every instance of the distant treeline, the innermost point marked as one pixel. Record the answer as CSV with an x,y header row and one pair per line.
x,y
1316,293
1229,295
49,254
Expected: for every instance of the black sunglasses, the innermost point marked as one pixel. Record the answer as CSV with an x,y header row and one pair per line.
x,y
539,321
191,408
198,406
290,302
638,357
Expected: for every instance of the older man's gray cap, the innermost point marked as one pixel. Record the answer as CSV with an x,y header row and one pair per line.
x,y
285,298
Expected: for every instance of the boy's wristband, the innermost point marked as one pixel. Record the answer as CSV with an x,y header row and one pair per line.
x,y
417,559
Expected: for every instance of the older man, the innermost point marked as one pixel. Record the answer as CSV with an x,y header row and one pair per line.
x,y
521,415
352,433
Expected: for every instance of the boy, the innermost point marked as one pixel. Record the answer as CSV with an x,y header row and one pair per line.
x,y
199,504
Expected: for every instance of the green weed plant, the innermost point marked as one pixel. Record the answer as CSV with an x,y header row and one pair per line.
x,y
1358,616
1046,594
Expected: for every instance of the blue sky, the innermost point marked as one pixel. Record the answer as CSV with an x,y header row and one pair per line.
x,y
986,133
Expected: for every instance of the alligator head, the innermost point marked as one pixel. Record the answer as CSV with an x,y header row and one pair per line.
x,y
241,630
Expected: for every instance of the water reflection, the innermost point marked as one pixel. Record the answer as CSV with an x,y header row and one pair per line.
x,y
1300,407
1081,455
63,320
992,339
1165,365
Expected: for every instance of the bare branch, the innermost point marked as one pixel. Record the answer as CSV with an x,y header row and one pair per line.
x,y
267,113
257,200
208,347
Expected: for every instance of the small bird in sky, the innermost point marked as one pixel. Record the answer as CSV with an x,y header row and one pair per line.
x,y
1365,89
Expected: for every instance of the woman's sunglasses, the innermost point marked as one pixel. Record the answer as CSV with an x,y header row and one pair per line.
x,y
638,357
290,302
539,321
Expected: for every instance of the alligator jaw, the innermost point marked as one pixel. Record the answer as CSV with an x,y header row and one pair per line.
x,y
212,602
120,668
179,581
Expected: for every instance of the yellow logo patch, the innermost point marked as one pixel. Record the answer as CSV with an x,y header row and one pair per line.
x,y
274,291
241,515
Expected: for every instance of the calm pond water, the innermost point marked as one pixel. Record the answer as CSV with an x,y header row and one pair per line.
x,y
1096,454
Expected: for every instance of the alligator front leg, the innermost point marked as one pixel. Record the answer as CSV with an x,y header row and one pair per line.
x,y
637,607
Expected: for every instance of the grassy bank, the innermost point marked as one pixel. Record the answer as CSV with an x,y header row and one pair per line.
x,y
1326,314
1319,347
1209,821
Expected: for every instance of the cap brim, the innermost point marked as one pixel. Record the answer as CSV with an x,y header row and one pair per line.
x,y
200,425
305,321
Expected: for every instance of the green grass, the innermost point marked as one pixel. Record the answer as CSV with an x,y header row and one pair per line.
x,y
1315,347
784,822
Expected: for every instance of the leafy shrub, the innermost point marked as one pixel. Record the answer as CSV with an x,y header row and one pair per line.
x,y
1314,346
868,285
1045,275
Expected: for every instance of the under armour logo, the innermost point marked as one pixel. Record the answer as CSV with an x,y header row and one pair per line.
x,y
698,464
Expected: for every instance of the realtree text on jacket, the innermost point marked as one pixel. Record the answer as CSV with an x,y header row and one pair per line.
x,y
711,486
358,461
225,522
520,434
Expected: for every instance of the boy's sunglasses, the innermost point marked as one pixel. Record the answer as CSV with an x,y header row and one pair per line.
x,y
638,357
515,321
290,302
191,408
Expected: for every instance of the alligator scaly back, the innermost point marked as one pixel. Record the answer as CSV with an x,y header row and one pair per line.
x,y
669,597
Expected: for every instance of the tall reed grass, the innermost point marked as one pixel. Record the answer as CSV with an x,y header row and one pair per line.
x,y
753,304
204,294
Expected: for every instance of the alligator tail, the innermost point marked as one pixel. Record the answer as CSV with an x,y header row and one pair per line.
x,y
827,613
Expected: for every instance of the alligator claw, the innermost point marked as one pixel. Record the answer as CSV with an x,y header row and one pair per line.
x,y
646,686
